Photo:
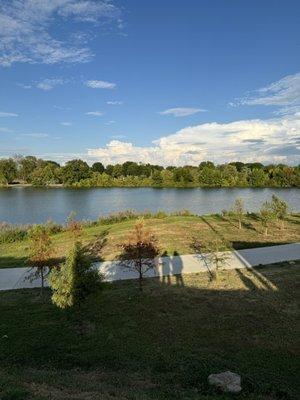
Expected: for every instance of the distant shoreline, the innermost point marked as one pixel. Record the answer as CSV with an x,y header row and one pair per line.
x,y
61,185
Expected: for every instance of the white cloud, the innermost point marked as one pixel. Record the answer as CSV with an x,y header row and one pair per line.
x,y
8,114
114,103
90,11
49,84
66,123
94,113
245,140
181,111
288,110
23,86
94,84
110,122
285,92
27,26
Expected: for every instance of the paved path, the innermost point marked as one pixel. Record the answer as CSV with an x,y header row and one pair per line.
x,y
14,278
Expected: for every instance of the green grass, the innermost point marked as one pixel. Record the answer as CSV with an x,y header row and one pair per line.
x,y
174,233
161,344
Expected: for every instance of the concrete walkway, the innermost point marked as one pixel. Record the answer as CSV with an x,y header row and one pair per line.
x,y
15,278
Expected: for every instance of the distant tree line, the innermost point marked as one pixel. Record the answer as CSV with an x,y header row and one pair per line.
x,y
38,172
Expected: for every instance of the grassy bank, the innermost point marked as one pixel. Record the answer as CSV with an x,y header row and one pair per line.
x,y
159,345
174,233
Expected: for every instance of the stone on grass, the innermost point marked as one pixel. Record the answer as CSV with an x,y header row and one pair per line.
x,y
226,381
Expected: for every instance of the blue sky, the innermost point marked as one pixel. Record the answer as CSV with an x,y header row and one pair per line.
x,y
170,82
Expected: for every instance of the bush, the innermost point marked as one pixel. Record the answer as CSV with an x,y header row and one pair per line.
x,y
52,228
132,214
10,233
159,214
74,280
118,217
182,213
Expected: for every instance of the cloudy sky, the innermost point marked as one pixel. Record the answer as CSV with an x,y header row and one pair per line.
x,y
171,82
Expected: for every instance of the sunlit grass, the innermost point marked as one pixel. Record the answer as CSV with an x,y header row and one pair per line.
x,y
174,233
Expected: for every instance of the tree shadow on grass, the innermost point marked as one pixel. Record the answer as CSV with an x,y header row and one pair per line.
x,y
174,334
21,262
95,246
212,227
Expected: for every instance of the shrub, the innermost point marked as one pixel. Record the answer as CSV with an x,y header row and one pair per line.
x,y
52,228
73,227
266,215
118,217
159,214
280,209
182,213
10,233
74,280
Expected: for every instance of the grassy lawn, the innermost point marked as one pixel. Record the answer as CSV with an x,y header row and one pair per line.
x,y
175,234
161,344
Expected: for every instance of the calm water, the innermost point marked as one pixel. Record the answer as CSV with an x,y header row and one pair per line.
x,y
35,205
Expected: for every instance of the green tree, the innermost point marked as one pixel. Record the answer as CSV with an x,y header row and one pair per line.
x,y
167,177
74,280
74,171
139,251
157,178
26,167
210,176
206,164
47,174
266,215
280,209
229,175
239,211
182,175
8,171
257,177
98,167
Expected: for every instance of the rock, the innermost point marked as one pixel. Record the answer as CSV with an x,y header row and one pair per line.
x,y
226,381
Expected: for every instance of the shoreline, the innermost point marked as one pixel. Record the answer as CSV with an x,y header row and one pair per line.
x,y
61,185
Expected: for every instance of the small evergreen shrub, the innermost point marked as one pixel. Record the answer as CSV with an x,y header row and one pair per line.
x,y
74,280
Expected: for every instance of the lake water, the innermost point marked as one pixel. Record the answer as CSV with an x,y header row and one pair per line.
x,y
36,205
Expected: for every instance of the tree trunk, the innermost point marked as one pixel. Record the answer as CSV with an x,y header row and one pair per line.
x,y
240,224
140,276
42,283
266,231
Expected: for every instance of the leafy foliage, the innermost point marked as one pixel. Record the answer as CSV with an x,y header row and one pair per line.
x,y
77,173
239,210
266,215
74,280
280,209
139,251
